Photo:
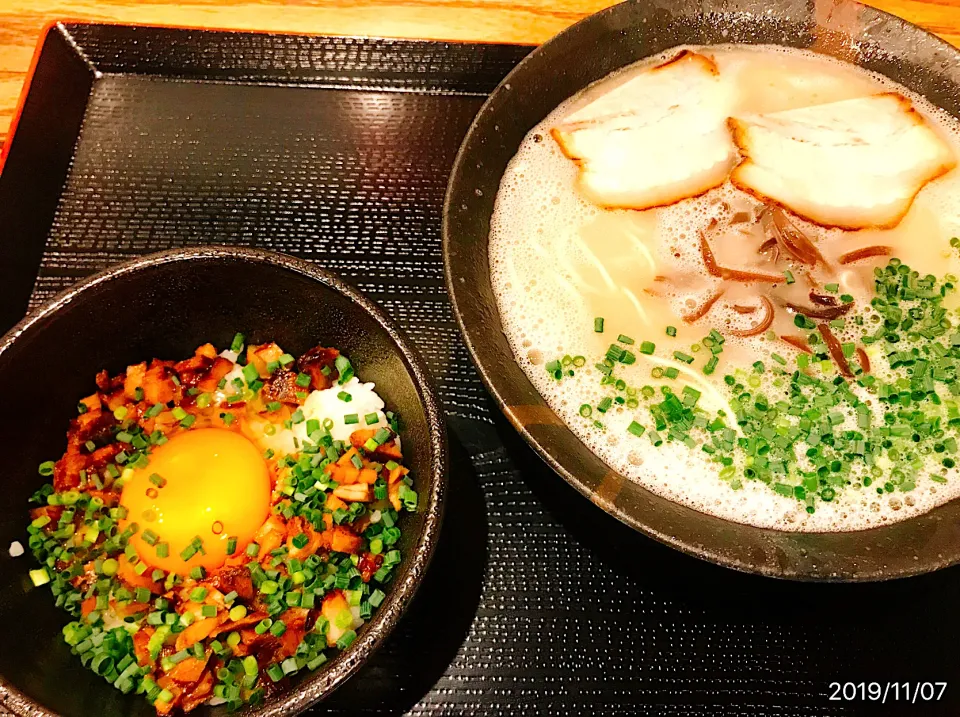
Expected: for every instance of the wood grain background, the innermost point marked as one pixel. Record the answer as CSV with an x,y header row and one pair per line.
x,y
521,21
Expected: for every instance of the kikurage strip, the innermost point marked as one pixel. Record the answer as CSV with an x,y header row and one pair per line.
x,y
797,342
762,325
866,252
714,269
822,299
750,276
709,260
836,350
827,312
704,307
791,238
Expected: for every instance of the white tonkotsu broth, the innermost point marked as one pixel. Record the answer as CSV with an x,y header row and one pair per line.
x,y
558,260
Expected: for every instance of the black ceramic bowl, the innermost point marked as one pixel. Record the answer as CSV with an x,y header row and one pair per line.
x,y
586,52
164,306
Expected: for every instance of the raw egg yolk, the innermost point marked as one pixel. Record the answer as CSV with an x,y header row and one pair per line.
x,y
210,484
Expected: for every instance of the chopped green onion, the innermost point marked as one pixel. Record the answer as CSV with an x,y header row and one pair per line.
x,y
346,639
316,661
164,696
250,373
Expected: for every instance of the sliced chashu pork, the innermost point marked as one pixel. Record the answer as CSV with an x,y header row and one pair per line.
x,y
852,164
657,138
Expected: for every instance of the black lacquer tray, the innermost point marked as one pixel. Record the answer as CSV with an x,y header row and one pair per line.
x,y
337,150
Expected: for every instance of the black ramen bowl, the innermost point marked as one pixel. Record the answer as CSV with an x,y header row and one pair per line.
x,y
579,56
164,306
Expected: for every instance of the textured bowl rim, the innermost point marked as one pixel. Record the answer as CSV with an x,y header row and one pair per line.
x,y
488,371
321,684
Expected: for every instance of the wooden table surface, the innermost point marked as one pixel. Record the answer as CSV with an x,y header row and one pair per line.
x,y
520,21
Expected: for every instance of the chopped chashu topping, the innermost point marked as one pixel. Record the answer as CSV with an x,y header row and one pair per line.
x,y
852,164
664,135
657,138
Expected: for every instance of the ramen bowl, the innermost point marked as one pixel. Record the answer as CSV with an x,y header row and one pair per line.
x,y
583,54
